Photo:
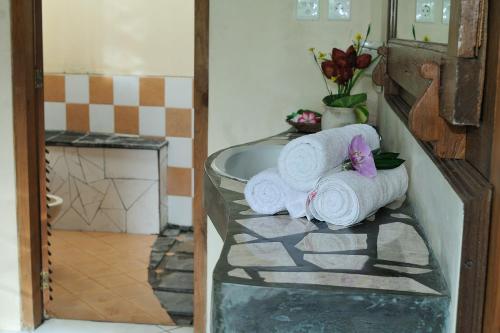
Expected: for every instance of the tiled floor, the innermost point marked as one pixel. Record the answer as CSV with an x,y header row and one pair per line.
x,y
78,326
103,277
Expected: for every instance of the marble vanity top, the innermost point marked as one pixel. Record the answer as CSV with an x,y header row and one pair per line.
x,y
102,140
279,274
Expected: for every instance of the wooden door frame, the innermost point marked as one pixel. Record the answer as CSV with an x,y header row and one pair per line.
x,y
200,153
487,140
28,151
29,141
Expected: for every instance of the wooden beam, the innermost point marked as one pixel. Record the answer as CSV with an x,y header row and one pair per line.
x,y
200,152
27,124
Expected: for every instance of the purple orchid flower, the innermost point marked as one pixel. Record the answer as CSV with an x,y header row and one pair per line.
x,y
361,157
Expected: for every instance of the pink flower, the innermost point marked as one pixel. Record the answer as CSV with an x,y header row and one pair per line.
x,y
361,157
308,118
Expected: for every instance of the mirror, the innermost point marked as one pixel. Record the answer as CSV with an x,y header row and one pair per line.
x,y
423,20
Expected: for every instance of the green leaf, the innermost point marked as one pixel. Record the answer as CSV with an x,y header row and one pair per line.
x,y
339,101
386,156
385,164
362,113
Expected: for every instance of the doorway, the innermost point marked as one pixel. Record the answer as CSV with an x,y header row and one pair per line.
x,y
30,156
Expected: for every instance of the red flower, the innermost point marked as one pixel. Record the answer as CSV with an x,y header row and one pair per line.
x,y
343,64
363,61
329,68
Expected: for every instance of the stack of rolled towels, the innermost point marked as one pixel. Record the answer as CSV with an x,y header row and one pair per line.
x,y
310,180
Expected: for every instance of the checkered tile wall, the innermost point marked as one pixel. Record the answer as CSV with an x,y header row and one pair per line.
x,y
148,106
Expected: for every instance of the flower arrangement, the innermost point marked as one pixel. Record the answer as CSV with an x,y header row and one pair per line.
x,y
344,68
305,116
306,121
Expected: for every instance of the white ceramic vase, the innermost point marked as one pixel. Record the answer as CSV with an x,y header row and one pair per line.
x,y
337,117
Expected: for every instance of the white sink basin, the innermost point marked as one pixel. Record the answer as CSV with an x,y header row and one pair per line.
x,y
242,163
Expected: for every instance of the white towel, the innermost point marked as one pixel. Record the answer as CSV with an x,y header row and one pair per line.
x,y
346,198
304,160
267,193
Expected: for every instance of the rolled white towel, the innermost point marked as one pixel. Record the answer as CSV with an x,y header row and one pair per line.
x,y
346,198
267,193
304,160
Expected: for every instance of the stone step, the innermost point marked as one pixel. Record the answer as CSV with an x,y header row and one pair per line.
x,y
177,304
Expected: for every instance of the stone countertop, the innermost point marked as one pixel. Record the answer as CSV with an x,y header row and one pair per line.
x,y
102,140
279,274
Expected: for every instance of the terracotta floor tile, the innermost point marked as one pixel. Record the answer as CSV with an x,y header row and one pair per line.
x,y
62,273
127,264
95,269
115,280
99,299
72,308
138,289
95,274
79,286
140,275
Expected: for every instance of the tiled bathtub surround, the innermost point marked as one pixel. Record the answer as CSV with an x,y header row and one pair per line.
x,y
109,189
147,106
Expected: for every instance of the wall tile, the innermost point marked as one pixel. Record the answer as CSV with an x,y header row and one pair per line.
x,y
101,89
179,92
180,210
93,155
91,171
179,181
152,91
55,116
102,118
126,90
131,164
130,190
144,216
152,121
179,122
71,220
103,223
77,118
112,198
127,119
77,89
180,152
54,88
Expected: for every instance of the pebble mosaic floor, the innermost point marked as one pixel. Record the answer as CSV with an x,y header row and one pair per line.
x,y
171,273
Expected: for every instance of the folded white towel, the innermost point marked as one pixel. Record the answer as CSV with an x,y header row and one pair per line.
x,y
346,198
304,160
267,193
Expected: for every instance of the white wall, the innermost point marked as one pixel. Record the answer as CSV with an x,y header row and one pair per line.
x,y
9,264
153,37
437,207
260,67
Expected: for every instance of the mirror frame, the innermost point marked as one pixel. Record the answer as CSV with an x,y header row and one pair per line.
x,y
462,62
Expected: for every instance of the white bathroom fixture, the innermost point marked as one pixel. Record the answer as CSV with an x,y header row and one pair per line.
x,y
244,162
55,204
